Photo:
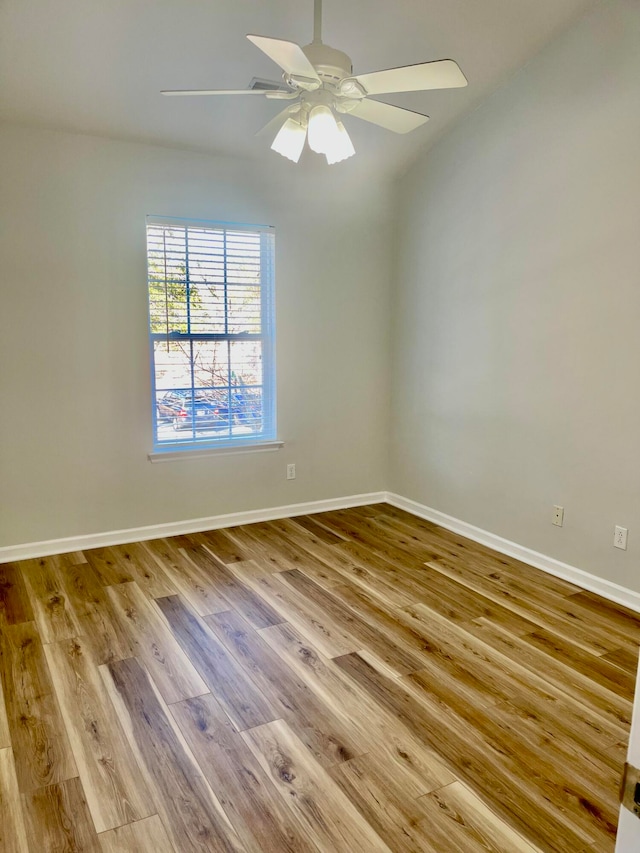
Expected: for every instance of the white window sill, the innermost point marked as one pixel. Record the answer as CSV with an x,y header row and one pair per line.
x,y
225,450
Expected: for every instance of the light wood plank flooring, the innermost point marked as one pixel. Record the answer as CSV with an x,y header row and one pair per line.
x,y
359,680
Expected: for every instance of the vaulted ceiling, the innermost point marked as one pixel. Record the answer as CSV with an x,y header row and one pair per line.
x,y
97,66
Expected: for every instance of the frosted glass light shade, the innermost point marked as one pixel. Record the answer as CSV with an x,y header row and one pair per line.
x,y
323,129
342,146
290,140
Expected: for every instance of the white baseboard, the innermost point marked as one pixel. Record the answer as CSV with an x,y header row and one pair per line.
x,y
175,528
607,589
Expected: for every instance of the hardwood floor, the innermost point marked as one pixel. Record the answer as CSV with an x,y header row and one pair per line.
x,y
358,680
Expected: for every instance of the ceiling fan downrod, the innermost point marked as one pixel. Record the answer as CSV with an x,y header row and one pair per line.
x,y
317,22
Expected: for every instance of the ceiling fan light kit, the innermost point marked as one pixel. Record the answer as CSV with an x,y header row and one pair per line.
x,y
319,82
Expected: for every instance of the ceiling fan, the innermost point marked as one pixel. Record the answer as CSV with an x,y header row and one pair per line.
x,y
318,83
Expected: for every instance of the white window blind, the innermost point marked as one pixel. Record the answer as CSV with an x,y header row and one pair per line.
x,y
211,313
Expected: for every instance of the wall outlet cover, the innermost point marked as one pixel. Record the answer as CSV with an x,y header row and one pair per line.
x,y
620,538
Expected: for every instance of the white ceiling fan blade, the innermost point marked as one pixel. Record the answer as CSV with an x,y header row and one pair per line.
x,y
443,74
392,118
215,92
287,54
272,127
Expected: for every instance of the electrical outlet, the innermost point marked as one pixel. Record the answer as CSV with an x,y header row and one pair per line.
x,y
291,471
620,538
558,516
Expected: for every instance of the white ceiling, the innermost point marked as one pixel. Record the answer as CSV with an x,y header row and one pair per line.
x,y
97,66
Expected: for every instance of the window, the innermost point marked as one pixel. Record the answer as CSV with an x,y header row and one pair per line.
x,y
211,313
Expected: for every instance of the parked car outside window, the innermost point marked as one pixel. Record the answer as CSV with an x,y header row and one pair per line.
x,y
197,409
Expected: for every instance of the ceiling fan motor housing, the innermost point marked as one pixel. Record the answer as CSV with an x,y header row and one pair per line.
x,y
331,65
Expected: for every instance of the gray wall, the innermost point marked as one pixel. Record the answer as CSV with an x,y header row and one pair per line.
x,y
75,422
517,323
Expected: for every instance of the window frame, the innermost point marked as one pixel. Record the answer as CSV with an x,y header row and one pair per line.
x,y
267,438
